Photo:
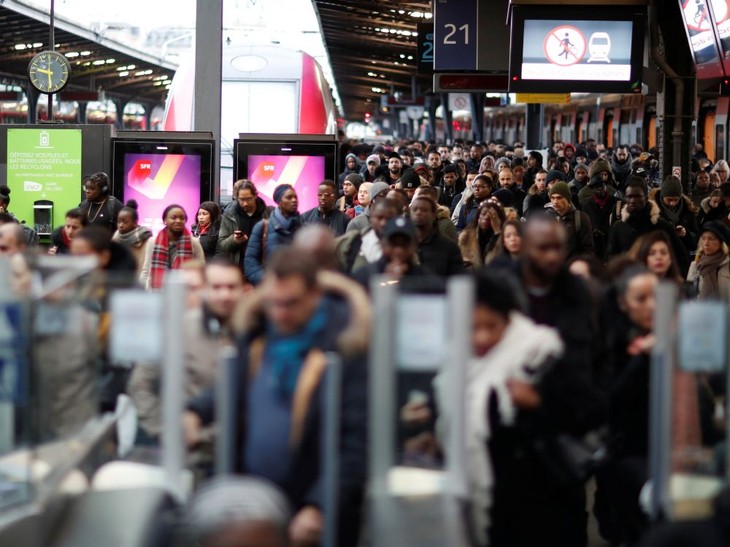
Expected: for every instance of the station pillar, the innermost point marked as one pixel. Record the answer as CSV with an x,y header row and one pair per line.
x,y
676,100
534,121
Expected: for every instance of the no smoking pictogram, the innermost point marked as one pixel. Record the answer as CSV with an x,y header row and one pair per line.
x,y
564,45
460,103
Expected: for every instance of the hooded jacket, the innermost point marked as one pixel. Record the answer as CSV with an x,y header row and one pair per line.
x,y
621,171
341,178
632,226
707,213
687,218
266,237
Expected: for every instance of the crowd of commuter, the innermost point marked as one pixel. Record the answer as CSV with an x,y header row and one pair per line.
x,y
566,250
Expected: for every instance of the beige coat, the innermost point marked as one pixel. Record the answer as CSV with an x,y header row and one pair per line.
x,y
723,278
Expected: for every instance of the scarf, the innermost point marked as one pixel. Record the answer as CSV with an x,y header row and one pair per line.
x,y
707,266
135,238
673,213
286,353
200,230
283,224
601,202
64,237
523,349
161,256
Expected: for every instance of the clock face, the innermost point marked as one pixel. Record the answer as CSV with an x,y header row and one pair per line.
x,y
49,71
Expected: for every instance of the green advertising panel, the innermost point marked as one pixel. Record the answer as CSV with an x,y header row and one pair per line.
x,y
44,164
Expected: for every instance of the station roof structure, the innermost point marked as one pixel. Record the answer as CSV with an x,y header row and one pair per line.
x,y
98,63
372,48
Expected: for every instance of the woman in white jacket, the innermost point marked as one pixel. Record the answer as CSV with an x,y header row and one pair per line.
x,y
506,391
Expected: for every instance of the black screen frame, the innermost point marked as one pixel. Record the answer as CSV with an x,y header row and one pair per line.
x,y
242,148
203,148
634,14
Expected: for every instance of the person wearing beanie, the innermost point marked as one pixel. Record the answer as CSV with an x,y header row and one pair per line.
x,y
580,180
506,178
351,166
621,165
370,171
378,190
409,183
348,202
577,224
501,163
678,210
273,233
641,215
569,153
710,271
504,197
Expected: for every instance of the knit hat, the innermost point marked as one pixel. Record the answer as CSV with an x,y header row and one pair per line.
x,y
393,155
280,190
376,188
554,174
504,196
374,158
410,179
717,228
500,161
355,179
671,187
561,188
379,149
600,166
582,166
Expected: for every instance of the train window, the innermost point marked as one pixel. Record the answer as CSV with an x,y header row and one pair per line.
x,y
720,142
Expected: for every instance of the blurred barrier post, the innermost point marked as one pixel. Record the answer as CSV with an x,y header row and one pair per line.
x,y
226,402
173,382
331,446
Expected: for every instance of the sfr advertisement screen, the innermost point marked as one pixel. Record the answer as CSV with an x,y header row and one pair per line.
x,y
158,180
578,50
303,172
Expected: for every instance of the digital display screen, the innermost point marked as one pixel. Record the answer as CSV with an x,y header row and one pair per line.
x,y
698,24
579,50
300,160
303,172
158,180
585,49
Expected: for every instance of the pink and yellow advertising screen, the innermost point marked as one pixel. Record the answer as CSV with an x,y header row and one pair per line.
x,y
303,172
158,180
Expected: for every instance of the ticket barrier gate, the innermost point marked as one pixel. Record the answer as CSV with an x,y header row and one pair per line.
x,y
416,335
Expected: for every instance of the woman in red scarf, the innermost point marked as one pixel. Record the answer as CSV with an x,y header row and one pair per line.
x,y
172,246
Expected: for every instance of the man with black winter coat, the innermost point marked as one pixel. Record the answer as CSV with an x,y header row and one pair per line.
x,y
638,217
436,252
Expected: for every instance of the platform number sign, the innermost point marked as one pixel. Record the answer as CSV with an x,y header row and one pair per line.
x,y
455,35
425,48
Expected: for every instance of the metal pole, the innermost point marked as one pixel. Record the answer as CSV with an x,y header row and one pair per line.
x,y
332,395
226,403
208,75
381,416
173,382
51,47
460,290
660,405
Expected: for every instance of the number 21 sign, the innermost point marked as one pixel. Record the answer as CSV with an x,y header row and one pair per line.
x,y
455,40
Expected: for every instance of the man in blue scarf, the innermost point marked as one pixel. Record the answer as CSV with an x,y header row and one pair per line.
x,y
295,316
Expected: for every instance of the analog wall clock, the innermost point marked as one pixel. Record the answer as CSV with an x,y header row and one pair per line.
x,y
49,71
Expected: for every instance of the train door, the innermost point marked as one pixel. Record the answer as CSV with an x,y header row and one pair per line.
x,y
625,127
639,129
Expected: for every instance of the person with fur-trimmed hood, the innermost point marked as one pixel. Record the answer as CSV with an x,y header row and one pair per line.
x,y
678,210
285,329
600,169
639,216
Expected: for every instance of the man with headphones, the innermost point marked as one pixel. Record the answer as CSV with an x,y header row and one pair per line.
x,y
100,207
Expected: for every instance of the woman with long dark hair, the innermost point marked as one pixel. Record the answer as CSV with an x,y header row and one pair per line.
x,y
207,227
478,241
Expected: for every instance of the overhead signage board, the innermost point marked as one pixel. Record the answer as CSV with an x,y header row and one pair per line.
x,y
470,35
455,35
424,64
543,98
593,50
700,27
720,13
44,164
474,83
